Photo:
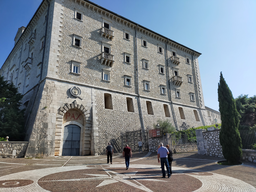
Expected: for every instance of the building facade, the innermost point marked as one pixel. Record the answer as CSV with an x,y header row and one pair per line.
x,y
89,75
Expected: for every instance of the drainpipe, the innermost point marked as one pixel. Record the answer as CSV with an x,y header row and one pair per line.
x,y
168,85
137,80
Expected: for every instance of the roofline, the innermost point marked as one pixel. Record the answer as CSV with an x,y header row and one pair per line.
x,y
211,109
23,32
142,26
105,10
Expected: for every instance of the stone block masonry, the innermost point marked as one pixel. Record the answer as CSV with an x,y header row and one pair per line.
x,y
13,148
208,143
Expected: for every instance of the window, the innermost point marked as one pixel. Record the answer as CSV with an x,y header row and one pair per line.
x,y
149,108
189,79
127,58
126,36
161,69
77,40
175,73
106,25
144,43
78,16
145,64
129,102
42,44
31,56
146,86
34,33
38,72
106,50
160,49
182,116
162,90
166,111
108,101
177,94
75,67
45,18
196,115
105,75
26,103
173,53
127,81
192,96
188,61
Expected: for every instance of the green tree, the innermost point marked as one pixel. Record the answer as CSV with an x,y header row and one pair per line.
x,y
11,117
230,139
246,108
165,126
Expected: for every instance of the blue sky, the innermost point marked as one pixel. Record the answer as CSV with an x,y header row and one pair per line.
x,y
223,31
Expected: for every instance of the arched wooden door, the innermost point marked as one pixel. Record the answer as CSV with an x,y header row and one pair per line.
x,y
71,140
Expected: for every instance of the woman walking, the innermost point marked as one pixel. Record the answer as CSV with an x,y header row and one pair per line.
x,y
170,159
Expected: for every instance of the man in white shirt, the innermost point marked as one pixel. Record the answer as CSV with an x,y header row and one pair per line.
x,y
162,153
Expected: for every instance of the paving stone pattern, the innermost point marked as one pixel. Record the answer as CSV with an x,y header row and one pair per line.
x,y
91,173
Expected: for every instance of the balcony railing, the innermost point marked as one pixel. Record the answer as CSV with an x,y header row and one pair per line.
x,y
177,80
175,60
28,63
107,33
32,38
107,59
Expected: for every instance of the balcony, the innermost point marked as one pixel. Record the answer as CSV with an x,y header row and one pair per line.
x,y
32,38
107,59
28,63
107,33
175,60
176,80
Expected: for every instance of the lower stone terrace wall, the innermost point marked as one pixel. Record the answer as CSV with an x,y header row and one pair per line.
x,y
208,143
13,148
249,155
185,147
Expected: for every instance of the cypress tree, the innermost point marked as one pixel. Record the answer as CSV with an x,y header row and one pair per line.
x,y
11,117
230,139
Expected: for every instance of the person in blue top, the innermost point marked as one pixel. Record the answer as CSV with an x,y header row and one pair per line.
x,y
162,153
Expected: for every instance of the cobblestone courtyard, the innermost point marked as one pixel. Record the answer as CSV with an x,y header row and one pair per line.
x,y
191,172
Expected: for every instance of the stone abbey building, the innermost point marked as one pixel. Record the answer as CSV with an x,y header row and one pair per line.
x,y
89,75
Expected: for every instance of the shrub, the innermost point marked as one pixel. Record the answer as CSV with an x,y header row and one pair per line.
x,y
254,146
165,126
2,139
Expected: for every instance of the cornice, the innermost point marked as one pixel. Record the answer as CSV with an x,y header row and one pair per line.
x,y
109,14
42,7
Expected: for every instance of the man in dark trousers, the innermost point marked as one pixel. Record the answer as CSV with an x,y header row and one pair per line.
x,y
109,151
162,153
127,153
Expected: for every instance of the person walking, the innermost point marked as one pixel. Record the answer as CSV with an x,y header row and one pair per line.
x,y
162,153
109,151
127,154
140,143
170,158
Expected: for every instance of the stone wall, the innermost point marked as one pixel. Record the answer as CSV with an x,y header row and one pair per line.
x,y
208,143
249,155
8,148
184,147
